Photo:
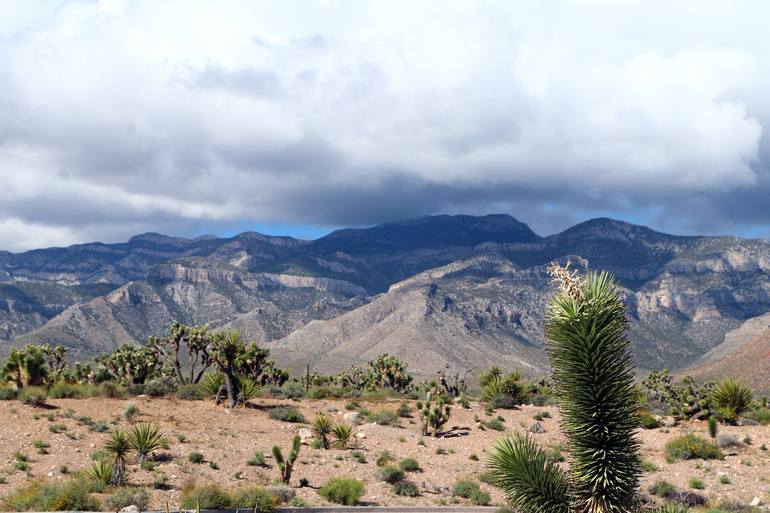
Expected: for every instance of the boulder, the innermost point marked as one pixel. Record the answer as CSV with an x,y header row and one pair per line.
x,y
354,417
304,434
725,440
537,428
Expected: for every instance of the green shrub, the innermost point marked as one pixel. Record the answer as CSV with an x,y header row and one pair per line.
x,y
761,415
342,491
480,498
384,458
383,417
409,465
8,394
70,495
465,488
254,497
160,387
63,390
286,414
390,474
33,396
494,424
209,496
112,390
191,392
258,460
406,489
690,446
648,421
696,484
126,497
725,480
662,488
195,457
57,428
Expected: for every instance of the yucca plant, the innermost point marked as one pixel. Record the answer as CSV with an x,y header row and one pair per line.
x,y
342,434
247,389
590,354
100,473
145,438
322,428
731,398
213,382
119,447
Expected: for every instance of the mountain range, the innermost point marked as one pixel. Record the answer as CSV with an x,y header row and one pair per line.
x,y
457,291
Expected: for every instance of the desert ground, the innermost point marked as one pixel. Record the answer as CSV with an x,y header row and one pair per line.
x,y
228,439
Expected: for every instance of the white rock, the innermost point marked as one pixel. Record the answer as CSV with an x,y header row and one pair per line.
x,y
304,434
360,435
130,509
756,501
354,417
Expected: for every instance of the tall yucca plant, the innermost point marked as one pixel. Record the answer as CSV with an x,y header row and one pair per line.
x,y
589,352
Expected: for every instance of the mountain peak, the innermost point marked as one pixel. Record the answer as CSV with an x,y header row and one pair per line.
x,y
431,232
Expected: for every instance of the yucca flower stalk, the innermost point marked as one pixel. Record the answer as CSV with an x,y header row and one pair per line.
x,y
590,354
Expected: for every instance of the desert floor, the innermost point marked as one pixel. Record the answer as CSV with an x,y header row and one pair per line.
x,y
230,438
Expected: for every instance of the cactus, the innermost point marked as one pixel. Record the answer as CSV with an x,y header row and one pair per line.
x,y
434,415
712,426
285,466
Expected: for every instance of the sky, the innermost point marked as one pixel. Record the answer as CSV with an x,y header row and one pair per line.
x,y
295,117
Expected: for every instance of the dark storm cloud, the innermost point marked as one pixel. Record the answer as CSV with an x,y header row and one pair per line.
x,y
119,117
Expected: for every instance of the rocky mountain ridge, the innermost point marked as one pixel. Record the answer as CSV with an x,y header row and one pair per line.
x,y
441,289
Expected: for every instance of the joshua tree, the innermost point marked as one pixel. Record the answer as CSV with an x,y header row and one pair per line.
x,y
131,364
389,372
25,367
454,387
589,352
226,350
285,466
434,415
192,343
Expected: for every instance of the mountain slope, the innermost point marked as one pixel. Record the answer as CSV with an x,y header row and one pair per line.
x,y
196,292
468,314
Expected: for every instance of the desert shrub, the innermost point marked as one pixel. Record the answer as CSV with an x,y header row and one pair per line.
x,y
326,392
480,498
131,411
712,425
258,460
648,420
761,415
123,497
41,446
690,446
64,390
404,410
696,484
70,495
409,465
283,492
191,392
208,496
8,394
662,488
254,497
494,424
195,457
33,396
390,474
286,414
342,491
57,428
112,390
383,417
465,488
322,428
384,458
359,457
406,489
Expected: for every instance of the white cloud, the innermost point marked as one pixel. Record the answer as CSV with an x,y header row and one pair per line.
x,y
125,115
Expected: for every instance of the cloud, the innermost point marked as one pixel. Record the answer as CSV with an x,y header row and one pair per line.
x,y
126,116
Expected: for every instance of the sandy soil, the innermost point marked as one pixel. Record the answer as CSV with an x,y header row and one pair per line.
x,y
230,438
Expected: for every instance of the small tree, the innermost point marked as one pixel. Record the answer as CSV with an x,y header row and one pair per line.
x,y
455,385
131,365
190,344
590,354
434,415
56,363
389,372
286,466
25,367
226,350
